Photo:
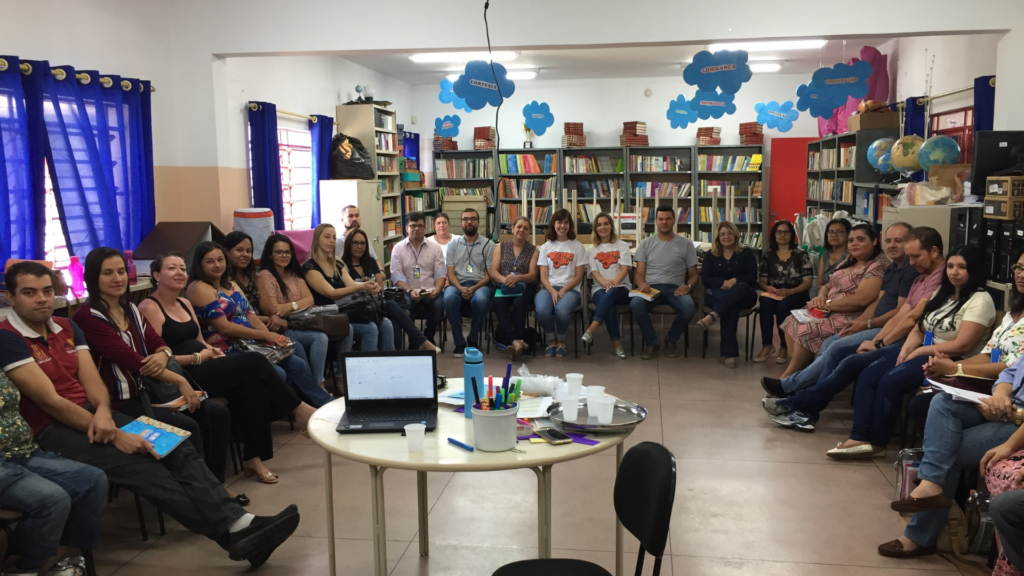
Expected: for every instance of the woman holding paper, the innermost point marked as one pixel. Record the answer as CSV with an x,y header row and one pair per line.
x,y
514,270
609,260
784,275
729,274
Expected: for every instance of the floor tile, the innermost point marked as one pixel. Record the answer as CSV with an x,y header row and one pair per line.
x,y
479,560
694,566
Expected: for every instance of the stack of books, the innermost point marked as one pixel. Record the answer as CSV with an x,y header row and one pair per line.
x,y
443,144
573,136
709,136
751,133
411,177
634,134
483,138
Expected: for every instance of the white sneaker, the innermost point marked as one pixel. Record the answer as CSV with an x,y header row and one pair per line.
x,y
588,337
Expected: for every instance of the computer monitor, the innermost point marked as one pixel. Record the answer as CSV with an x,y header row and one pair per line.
x,y
397,378
993,152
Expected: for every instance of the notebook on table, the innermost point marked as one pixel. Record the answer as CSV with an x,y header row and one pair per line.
x,y
387,390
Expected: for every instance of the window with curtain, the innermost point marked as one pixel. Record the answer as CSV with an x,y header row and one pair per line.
x,y
55,246
295,148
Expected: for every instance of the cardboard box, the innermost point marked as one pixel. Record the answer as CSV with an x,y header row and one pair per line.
x,y
1004,186
1004,208
873,120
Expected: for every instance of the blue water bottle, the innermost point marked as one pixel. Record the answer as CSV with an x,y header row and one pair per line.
x,y
474,368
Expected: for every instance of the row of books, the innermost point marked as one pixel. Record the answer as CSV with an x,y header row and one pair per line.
x,y
591,164
464,168
594,188
662,189
527,164
390,206
387,142
723,188
393,227
587,213
746,215
528,188
509,212
383,120
828,189
729,163
659,163
485,192
386,164
386,186
418,204
830,158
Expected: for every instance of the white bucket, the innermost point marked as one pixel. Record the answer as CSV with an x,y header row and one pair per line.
x,y
494,430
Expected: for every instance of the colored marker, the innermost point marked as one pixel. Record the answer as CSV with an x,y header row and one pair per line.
x,y
519,388
460,444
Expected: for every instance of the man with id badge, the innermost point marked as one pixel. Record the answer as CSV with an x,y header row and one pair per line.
x,y
468,260
417,266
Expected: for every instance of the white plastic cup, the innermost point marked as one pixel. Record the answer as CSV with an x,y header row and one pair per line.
x,y
575,382
570,405
594,392
414,434
604,407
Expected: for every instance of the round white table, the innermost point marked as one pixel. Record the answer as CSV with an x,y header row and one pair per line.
x,y
383,451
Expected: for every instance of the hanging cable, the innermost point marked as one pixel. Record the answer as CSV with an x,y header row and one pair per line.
x,y
497,111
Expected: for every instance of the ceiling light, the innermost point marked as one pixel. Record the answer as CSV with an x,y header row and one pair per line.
x,y
512,75
766,46
500,56
765,67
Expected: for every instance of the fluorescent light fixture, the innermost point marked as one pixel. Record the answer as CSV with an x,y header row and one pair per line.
x,y
500,56
766,67
767,46
512,75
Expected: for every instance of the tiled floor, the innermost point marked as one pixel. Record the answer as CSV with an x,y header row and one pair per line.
x,y
751,499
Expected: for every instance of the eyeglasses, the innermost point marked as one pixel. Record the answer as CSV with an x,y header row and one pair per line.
x,y
1017,268
836,232
417,226
282,252
358,243
473,219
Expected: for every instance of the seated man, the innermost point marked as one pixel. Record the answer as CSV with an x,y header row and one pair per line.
x,y
896,283
801,411
62,500
668,263
67,406
469,289
417,266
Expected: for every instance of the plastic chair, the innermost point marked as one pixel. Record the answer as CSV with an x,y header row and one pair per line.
x,y
645,489
746,314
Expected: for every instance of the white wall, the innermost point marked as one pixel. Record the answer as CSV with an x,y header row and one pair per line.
x,y
958,60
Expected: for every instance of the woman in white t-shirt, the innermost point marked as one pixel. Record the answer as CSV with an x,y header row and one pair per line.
x,y
561,262
609,261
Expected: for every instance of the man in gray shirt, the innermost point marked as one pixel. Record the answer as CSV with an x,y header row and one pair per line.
x,y
468,289
666,263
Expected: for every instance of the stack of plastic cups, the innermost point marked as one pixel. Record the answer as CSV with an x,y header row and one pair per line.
x,y
571,398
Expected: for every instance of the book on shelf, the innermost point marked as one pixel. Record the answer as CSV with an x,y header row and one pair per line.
x,y
830,190
710,215
593,188
393,227
541,215
751,128
387,142
659,163
389,206
662,189
634,128
386,186
746,215
510,211
592,164
588,212
751,239
479,144
729,163
527,164
723,188
484,192
383,120
445,144
574,141
386,164
464,167
685,215
848,155
528,188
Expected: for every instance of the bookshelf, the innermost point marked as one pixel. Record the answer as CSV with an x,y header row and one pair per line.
x,y
470,174
420,200
727,189
840,178
527,186
377,128
598,177
661,175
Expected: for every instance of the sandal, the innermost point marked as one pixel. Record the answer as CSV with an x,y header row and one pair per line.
x,y
560,351
783,357
763,355
267,477
704,323
549,351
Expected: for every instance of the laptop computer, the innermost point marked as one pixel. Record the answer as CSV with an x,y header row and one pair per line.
x,y
387,390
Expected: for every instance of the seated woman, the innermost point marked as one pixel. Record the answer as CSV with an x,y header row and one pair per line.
x,y
784,275
562,261
256,393
283,291
225,316
243,271
959,315
124,346
442,233
609,261
1004,479
728,274
853,287
837,235
514,267
360,267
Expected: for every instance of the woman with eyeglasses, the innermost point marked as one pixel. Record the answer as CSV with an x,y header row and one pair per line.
x,y
837,234
729,275
784,275
363,269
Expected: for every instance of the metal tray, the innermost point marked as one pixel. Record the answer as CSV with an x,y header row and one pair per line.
x,y
626,416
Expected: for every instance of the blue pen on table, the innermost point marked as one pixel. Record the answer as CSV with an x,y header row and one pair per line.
x,y
462,445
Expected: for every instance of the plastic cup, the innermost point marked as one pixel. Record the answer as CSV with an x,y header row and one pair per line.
x,y
414,434
594,392
575,382
570,405
604,407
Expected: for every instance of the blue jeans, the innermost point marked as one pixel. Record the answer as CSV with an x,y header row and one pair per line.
x,y
401,322
727,305
605,302
478,306
295,371
879,391
371,337
511,312
430,308
774,313
836,377
554,319
683,305
315,344
833,350
956,436
62,501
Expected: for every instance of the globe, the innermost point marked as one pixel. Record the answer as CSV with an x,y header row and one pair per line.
x,y
879,155
904,154
938,150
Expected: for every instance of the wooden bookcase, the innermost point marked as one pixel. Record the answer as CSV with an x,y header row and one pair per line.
x,y
420,200
578,178
738,191
472,170
537,203
647,183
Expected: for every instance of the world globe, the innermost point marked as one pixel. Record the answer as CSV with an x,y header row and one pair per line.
x,y
880,155
938,150
904,154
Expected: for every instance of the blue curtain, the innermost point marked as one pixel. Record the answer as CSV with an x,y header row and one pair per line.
x,y
135,204
21,210
984,103
321,131
149,191
913,121
265,161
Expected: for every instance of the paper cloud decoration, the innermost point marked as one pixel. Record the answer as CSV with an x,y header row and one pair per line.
x,y
447,126
725,69
538,117
776,116
712,104
448,97
679,114
842,81
810,100
479,87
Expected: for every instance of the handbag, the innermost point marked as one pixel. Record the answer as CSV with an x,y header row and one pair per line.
x,y
396,295
317,319
272,353
361,308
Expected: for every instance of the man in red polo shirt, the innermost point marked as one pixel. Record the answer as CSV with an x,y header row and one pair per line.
x,y
67,406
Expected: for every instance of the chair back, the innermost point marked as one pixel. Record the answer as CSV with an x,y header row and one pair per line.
x,y
645,489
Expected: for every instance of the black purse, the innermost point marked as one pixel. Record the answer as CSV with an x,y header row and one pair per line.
x,y
396,295
361,308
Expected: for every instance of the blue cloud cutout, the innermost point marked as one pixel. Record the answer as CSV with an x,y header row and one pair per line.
x,y
447,126
712,104
843,81
809,99
538,117
777,116
679,114
448,97
725,69
479,87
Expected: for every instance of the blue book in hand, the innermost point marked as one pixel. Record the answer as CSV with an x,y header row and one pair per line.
x,y
163,437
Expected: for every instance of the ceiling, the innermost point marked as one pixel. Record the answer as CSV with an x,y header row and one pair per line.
x,y
616,62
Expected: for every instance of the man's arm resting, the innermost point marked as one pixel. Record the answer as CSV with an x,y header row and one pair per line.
x,y
34,385
883,320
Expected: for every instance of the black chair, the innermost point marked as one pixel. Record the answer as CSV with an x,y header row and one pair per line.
x,y
746,314
114,490
645,488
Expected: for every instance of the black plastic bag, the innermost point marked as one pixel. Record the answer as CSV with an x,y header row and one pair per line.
x,y
357,166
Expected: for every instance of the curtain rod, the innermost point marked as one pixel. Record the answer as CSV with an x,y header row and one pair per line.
x,y
254,106
924,100
82,77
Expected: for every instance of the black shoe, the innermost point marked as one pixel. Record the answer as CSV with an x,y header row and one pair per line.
x,y
241,499
773,386
459,352
472,344
257,542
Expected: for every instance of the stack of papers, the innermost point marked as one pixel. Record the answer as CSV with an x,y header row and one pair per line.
x,y
958,393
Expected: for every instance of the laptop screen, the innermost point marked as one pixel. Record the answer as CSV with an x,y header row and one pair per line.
x,y
392,378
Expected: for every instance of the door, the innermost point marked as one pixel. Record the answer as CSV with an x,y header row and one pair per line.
x,y
788,180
